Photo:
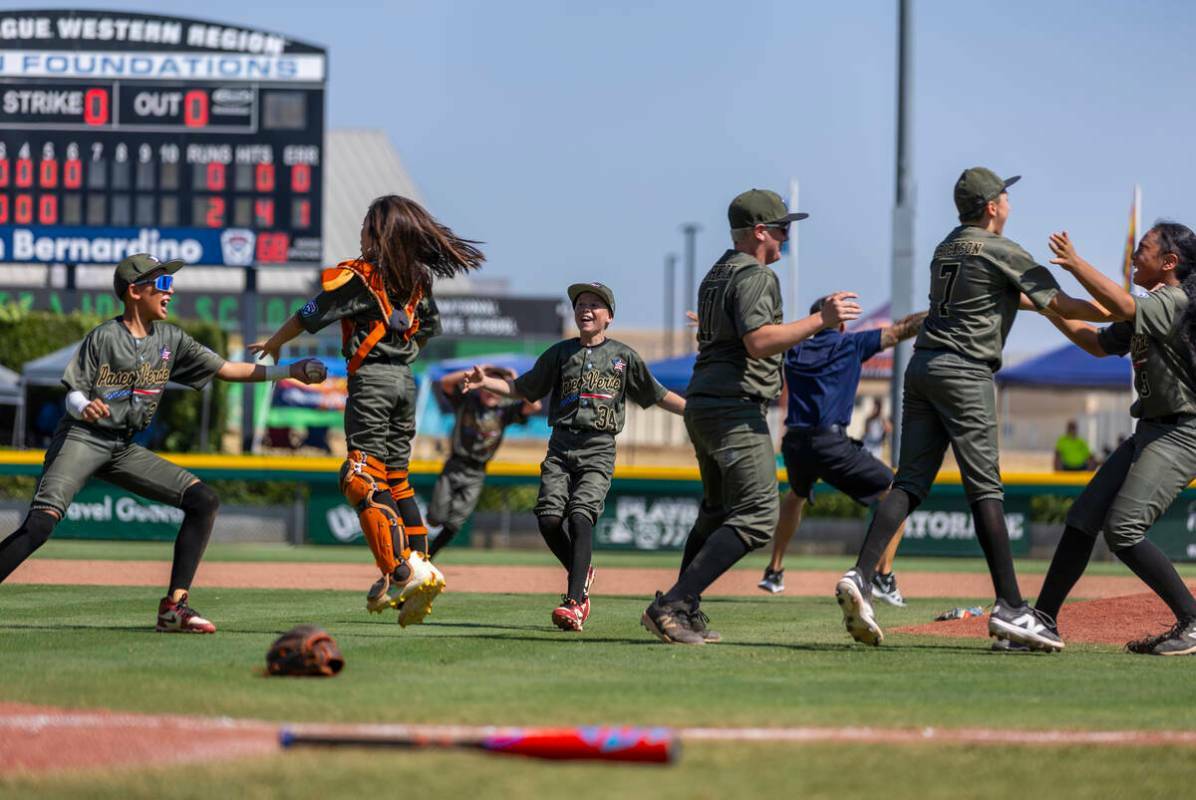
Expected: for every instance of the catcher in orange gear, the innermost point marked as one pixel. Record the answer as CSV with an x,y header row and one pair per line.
x,y
383,301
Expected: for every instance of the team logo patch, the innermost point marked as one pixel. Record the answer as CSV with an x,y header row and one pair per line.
x,y
619,364
308,309
236,246
164,354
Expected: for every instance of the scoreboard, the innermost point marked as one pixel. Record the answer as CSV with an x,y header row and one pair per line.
x,y
124,133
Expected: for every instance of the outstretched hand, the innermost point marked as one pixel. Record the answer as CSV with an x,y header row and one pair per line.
x,y
262,350
838,308
474,379
1065,252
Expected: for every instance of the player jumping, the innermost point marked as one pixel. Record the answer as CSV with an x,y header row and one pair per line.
x,y
383,301
114,384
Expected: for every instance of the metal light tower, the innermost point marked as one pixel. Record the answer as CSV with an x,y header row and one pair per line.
x,y
690,301
901,302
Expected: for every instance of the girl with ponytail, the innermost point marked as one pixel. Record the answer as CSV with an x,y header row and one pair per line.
x,y
1142,477
383,301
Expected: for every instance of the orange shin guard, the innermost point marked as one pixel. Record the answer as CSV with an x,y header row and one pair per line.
x,y
363,483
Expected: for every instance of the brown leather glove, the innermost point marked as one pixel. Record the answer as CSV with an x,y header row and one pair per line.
x,y
304,650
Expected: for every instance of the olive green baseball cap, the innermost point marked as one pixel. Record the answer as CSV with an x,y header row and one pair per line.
x,y
760,207
138,267
600,289
976,186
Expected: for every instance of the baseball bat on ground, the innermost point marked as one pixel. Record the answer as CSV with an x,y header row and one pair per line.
x,y
641,745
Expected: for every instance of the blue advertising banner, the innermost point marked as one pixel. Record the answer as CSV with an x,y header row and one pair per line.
x,y
82,245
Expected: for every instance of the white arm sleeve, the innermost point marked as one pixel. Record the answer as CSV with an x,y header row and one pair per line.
x,y
76,401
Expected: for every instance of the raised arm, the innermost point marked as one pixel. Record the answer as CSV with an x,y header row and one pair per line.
x,y
902,329
768,340
1108,293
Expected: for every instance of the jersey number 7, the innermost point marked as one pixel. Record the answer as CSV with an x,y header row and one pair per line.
x,y
949,273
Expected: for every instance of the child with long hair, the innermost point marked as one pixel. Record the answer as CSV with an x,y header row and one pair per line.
x,y
1144,475
383,300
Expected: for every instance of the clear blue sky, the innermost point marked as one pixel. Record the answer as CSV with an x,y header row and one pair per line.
x,y
575,139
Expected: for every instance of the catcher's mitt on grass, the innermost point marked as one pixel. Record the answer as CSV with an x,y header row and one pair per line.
x,y
304,650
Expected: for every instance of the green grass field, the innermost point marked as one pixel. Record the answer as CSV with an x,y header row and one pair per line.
x,y
495,659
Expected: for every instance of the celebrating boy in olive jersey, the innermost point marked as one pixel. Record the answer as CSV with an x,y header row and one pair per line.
x,y
590,378
741,337
977,279
115,382
481,418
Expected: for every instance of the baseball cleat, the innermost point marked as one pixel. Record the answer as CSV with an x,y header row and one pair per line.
x,y
416,595
669,624
773,581
570,615
379,598
181,618
1026,626
851,593
1006,646
885,588
698,623
1180,640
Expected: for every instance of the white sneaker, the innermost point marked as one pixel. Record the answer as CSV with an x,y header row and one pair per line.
x,y
852,595
885,588
773,581
415,598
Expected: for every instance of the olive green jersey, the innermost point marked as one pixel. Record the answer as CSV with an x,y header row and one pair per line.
x,y
129,374
352,301
737,296
590,385
478,428
1164,378
976,278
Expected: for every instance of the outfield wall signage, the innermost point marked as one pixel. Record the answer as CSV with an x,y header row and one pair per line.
x,y
943,526
101,511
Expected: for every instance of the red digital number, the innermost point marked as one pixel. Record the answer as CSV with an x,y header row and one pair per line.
x,y
263,177
272,248
23,209
263,212
95,107
3,209
24,172
216,177
72,173
195,108
215,213
301,178
3,172
48,174
47,209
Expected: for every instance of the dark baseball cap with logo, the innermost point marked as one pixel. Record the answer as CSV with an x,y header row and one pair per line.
x,y
600,289
139,267
760,207
975,187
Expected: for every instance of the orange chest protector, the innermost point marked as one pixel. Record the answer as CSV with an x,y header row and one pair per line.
x,y
401,320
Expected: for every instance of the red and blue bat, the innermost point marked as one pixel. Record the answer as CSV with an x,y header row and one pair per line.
x,y
642,745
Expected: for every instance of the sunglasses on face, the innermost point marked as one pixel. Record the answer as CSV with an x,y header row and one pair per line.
x,y
162,283
783,227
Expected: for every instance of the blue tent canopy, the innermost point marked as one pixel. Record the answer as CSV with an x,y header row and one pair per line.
x,y
1071,367
674,373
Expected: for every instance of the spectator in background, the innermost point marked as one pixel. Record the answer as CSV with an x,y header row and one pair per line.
x,y
1071,452
876,430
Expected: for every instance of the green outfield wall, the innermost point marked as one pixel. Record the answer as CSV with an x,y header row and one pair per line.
x,y
649,508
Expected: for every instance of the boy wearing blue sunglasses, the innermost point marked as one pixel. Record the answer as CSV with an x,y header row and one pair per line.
x,y
114,383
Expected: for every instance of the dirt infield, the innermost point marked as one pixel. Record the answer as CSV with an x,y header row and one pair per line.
x,y
1110,620
518,580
